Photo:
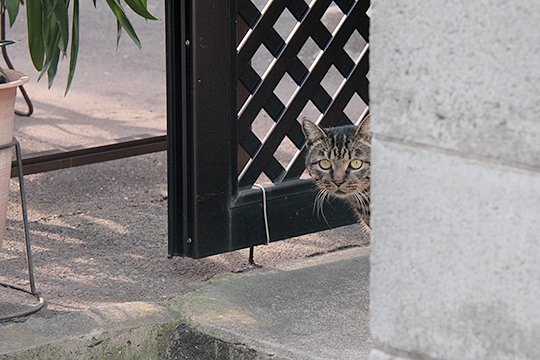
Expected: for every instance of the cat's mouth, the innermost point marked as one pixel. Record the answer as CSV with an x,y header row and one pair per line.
x,y
339,192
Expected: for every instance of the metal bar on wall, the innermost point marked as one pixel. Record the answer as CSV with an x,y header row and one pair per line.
x,y
78,156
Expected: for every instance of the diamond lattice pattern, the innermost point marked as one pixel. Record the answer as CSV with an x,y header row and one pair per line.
x,y
297,59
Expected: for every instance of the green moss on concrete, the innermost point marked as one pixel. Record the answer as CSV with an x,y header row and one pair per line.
x,y
144,343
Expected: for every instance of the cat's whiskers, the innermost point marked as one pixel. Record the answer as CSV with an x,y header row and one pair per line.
x,y
362,203
365,194
318,205
367,198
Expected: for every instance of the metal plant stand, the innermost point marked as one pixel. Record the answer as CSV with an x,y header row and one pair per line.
x,y
33,292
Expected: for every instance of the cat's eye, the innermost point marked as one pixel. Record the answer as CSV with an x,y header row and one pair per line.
x,y
325,164
356,164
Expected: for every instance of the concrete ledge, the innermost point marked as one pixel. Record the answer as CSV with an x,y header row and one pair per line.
x,y
126,331
284,314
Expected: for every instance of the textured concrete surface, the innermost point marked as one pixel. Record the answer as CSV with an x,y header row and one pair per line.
x,y
456,180
275,311
316,309
466,81
454,264
379,355
100,236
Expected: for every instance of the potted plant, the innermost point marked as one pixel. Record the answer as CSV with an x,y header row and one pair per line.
x,y
53,31
9,81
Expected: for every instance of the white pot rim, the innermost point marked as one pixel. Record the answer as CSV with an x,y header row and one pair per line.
x,y
20,79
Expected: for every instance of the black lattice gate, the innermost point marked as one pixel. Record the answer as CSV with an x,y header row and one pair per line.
x,y
240,76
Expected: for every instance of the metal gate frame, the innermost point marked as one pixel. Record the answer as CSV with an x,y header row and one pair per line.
x,y
208,212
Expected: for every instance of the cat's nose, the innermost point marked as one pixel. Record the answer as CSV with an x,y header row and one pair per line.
x,y
339,182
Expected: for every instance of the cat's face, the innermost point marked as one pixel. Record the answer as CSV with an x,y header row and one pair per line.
x,y
338,158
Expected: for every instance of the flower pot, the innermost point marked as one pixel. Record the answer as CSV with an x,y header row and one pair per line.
x,y
8,92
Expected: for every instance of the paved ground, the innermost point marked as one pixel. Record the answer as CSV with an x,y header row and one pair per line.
x,y
314,310
318,309
100,236
99,231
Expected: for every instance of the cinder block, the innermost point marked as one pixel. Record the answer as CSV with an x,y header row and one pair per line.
x,y
380,355
462,75
455,272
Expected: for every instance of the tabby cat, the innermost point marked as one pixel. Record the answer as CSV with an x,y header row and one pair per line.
x,y
338,159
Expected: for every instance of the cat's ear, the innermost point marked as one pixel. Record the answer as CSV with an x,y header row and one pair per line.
x,y
312,131
364,129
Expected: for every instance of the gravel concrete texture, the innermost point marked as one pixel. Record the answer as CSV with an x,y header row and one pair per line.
x,y
100,236
454,276
456,180
288,313
277,317
379,355
471,288
459,75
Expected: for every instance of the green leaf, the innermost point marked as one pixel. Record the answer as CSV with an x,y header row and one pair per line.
x,y
118,33
124,21
60,11
6,42
74,45
53,66
13,10
35,32
140,7
48,23
51,40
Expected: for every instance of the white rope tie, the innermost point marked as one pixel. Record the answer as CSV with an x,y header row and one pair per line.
x,y
265,213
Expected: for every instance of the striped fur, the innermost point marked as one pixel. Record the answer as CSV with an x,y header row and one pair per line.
x,y
340,146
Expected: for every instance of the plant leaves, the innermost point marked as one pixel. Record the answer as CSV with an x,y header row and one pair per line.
x,y
13,10
140,7
124,21
60,11
51,39
53,66
34,13
74,45
49,24
118,33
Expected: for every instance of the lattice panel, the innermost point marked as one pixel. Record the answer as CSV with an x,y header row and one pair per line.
x,y
297,59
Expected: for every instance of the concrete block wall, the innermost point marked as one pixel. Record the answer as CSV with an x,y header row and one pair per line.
x,y
455,98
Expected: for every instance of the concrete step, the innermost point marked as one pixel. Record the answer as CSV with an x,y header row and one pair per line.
x,y
317,309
